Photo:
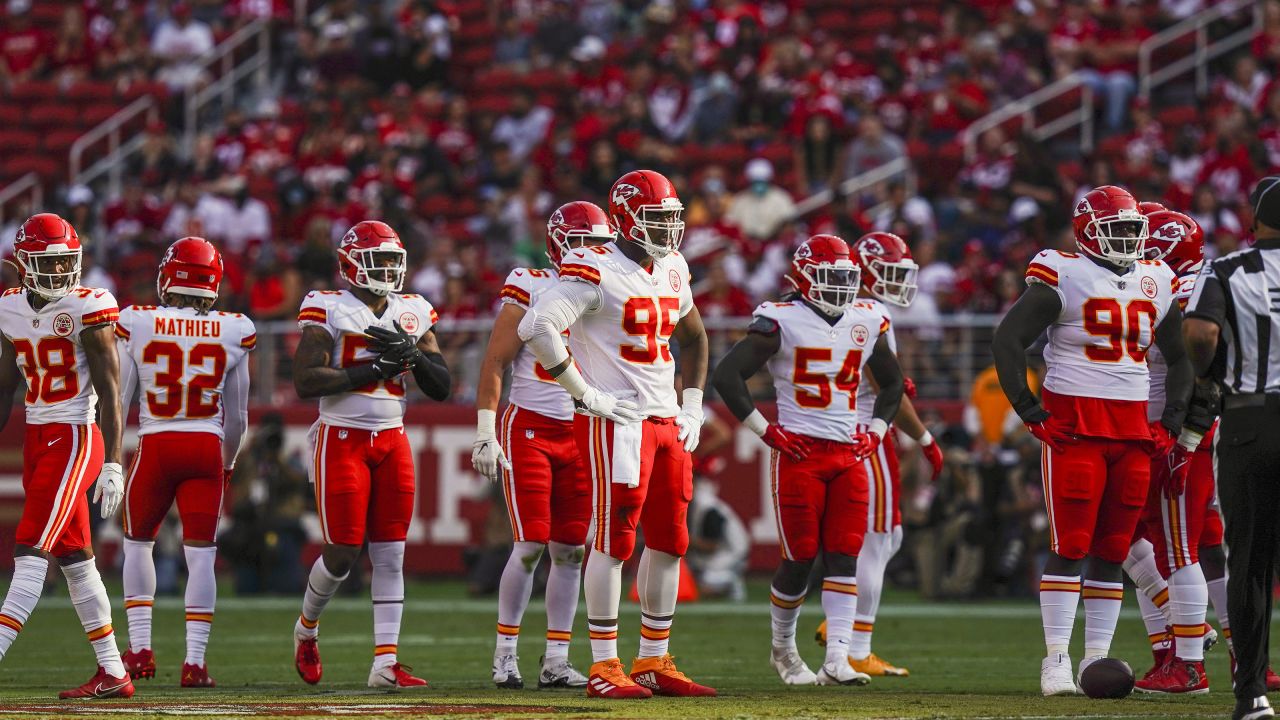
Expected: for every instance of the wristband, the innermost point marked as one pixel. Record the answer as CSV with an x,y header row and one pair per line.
x,y
362,375
926,439
691,400
878,427
572,381
1190,439
756,423
486,423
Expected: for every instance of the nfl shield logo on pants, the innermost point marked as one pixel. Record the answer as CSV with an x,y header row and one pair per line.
x,y
528,434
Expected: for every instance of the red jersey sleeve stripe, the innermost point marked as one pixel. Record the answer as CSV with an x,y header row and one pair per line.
x,y
121,332
435,317
250,342
108,315
884,325
578,271
517,294
1040,272
313,315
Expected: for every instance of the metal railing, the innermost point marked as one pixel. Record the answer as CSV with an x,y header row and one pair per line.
x,y
29,183
1026,107
899,167
118,149
231,73
1205,50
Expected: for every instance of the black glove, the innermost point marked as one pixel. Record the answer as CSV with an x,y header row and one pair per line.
x,y
394,345
1205,406
387,367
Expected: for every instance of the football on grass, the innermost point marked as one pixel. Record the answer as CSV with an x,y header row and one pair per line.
x,y
1107,678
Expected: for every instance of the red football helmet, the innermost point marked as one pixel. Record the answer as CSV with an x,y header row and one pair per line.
x,y
1174,238
191,266
576,224
886,260
47,254
646,211
824,275
1109,226
372,257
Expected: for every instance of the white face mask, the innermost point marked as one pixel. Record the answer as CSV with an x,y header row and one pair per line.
x,y
380,270
52,273
832,286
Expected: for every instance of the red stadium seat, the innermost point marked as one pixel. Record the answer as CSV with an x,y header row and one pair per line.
x,y
44,166
60,141
34,93
91,92
16,143
49,115
1175,117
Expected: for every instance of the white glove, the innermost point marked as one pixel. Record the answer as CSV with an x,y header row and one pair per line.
x,y
110,489
602,404
486,454
690,419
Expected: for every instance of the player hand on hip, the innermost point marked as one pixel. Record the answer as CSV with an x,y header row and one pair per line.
x,y
932,454
1162,440
486,453
796,447
110,489
690,419
865,444
1037,421
602,404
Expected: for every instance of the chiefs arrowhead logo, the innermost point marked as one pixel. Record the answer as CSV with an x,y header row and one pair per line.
x,y
873,246
624,192
1171,231
557,218
1083,207
803,252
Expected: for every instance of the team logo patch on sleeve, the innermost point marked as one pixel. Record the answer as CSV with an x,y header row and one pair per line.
x,y
63,325
675,279
1148,286
409,322
860,334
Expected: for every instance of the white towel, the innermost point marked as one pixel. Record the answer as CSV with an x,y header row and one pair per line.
x,y
625,463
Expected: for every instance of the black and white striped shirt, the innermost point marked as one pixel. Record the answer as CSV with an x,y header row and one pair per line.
x,y
1240,292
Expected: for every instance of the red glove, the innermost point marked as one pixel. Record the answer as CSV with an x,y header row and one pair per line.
x,y
1055,438
1162,441
1179,463
865,444
933,454
796,447
909,387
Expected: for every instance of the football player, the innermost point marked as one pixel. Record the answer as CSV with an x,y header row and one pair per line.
x,y
626,300
816,347
887,274
542,473
357,344
58,336
1103,307
191,367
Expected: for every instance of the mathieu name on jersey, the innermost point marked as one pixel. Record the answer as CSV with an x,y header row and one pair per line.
x,y
1097,351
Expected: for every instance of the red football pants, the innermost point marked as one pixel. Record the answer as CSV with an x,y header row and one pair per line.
x,y
59,461
659,504
819,502
1094,492
1179,526
364,484
548,495
884,487
168,466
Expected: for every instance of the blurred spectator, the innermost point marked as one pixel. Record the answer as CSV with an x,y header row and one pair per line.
x,y
1112,68
873,147
179,43
74,52
524,127
24,48
718,545
761,209
234,219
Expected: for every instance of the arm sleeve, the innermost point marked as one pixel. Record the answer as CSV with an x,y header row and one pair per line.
x,y
235,412
554,312
1209,299
128,374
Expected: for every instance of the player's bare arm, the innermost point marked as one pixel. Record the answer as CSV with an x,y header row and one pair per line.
x,y
104,370
744,359
9,377
691,336
1181,377
1201,337
504,344
884,367
312,376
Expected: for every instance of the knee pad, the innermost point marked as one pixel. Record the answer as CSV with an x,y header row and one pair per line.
x,y
201,527
792,577
566,554
387,555
1075,545
840,564
528,553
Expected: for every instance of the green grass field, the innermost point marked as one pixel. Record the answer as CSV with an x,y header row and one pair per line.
x,y
967,661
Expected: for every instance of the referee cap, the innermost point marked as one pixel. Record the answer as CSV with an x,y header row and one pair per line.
x,y
1265,200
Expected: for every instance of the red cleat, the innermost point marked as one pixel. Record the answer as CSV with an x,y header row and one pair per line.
x,y
607,680
100,686
1273,680
394,676
140,664
306,657
1162,657
1178,676
196,676
660,675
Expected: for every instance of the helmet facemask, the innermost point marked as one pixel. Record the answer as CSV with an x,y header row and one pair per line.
x,y
833,286
894,283
1121,239
659,229
51,273
379,270
573,239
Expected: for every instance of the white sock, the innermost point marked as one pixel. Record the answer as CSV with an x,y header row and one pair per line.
x,y
139,591
839,604
89,596
1218,596
1153,619
321,585
1189,601
602,586
563,583
24,592
658,583
1101,613
1059,598
784,609
1141,567
877,550
387,590
202,595
513,594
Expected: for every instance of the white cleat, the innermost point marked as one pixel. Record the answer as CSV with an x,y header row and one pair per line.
x,y
1055,676
1086,662
560,673
791,667
506,672
839,672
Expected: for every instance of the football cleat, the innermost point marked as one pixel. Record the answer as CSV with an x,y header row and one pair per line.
x,y
875,666
196,676
1273,680
1160,656
790,667
1178,676
820,635
506,672
394,676
139,664
1055,676
841,673
559,673
306,658
607,680
660,675
1255,709
1210,637
100,686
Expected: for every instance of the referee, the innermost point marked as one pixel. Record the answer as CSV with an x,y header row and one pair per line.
x,y
1232,330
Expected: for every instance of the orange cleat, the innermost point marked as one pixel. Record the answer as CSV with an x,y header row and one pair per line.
x,y
196,676
660,675
306,657
394,676
607,680
100,686
820,635
140,664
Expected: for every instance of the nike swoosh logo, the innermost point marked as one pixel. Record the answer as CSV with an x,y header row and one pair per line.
x,y
99,690
51,442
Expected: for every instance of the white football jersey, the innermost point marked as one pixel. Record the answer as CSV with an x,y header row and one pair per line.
x,y
622,344
1155,361
181,360
532,387
49,353
1098,345
817,371
379,405
867,391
